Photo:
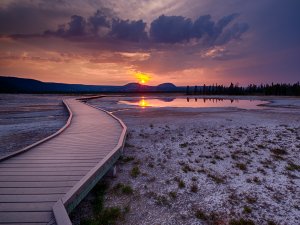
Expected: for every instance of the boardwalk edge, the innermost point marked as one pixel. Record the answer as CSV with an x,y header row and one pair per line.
x,y
72,198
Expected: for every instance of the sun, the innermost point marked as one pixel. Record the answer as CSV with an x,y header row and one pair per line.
x,y
143,78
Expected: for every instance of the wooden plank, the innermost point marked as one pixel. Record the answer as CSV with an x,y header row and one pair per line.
x,y
43,173
33,191
42,161
76,151
49,153
46,169
39,178
27,207
69,156
30,198
103,151
25,217
36,165
65,157
20,223
77,147
36,184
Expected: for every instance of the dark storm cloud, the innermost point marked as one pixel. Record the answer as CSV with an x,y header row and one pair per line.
x,y
26,19
98,20
128,30
203,26
174,29
171,29
76,26
164,29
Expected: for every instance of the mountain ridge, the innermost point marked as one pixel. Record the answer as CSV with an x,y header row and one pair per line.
x,y
25,85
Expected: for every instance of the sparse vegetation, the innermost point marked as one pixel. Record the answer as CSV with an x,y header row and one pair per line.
x,y
181,184
293,167
109,216
102,215
99,191
151,165
251,200
127,159
278,151
217,179
261,146
200,215
161,200
135,171
173,194
247,209
184,145
241,166
194,179
186,168
241,222
126,189
128,145
257,180
194,188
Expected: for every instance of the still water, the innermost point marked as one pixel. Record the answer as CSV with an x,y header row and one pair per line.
x,y
144,102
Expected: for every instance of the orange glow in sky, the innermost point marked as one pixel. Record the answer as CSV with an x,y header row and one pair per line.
x,y
143,78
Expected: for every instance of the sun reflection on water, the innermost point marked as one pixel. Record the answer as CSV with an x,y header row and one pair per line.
x,y
143,103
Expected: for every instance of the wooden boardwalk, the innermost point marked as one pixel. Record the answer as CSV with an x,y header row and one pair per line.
x,y
41,185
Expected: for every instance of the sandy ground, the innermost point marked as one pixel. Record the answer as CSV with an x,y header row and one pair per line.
x,y
25,119
208,166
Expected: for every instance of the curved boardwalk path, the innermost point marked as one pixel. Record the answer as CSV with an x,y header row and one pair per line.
x,y
40,185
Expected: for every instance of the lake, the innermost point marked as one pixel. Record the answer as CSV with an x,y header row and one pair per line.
x,y
144,102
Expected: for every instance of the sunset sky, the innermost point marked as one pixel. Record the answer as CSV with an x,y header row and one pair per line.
x,y
185,42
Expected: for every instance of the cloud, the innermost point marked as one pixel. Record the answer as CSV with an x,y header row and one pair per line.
x,y
77,26
128,30
234,32
104,24
171,29
174,29
222,23
98,21
101,24
203,26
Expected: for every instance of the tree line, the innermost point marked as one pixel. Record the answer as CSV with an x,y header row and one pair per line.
x,y
252,89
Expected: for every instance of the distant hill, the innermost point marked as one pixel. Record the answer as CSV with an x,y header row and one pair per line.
x,y
22,85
